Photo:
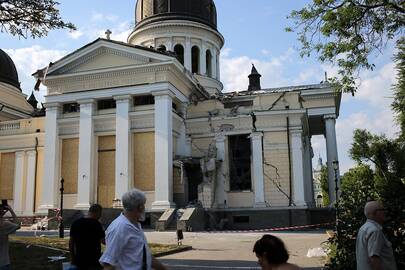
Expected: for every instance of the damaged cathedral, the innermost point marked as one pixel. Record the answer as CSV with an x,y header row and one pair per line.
x,y
151,114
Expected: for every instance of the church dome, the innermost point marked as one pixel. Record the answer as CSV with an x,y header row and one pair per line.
x,y
202,11
8,72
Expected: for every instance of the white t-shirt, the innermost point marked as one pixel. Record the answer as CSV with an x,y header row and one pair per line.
x,y
125,243
6,228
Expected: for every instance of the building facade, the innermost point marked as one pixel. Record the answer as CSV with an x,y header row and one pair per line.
x,y
151,114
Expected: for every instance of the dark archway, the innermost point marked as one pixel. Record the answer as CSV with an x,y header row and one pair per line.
x,y
179,51
195,59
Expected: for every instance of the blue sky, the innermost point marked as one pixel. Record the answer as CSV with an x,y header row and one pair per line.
x,y
254,33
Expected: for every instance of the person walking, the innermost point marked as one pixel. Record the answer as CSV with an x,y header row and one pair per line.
x,y
126,245
86,237
373,250
272,254
6,228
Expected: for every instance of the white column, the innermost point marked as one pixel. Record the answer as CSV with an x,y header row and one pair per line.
x,y
30,185
257,170
169,44
187,54
19,182
49,190
214,64
85,178
122,145
222,173
164,151
203,63
298,168
332,153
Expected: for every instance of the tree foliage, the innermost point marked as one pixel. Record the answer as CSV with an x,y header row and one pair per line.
x,y
399,88
386,182
347,32
33,18
324,185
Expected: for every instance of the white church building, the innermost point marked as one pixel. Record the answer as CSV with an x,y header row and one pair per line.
x,y
151,114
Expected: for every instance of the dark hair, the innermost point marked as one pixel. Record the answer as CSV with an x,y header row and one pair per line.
x,y
272,248
95,209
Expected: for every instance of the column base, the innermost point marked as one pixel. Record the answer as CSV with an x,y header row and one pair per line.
x,y
163,205
260,205
43,209
220,206
82,206
301,204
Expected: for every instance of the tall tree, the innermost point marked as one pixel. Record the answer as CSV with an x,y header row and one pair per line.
x,y
33,18
347,32
399,88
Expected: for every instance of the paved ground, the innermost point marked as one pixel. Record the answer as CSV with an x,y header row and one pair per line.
x,y
234,250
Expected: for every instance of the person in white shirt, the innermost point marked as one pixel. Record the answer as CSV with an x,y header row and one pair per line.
x,y
373,250
126,245
6,228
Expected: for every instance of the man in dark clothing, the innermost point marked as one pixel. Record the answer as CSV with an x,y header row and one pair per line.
x,y
86,236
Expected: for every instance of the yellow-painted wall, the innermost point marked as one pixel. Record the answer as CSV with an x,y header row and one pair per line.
x,y
7,167
70,162
106,171
144,160
40,175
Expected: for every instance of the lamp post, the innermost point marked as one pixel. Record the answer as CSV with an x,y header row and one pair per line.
x,y
335,164
61,226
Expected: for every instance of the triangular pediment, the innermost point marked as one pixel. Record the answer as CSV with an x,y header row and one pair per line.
x,y
104,54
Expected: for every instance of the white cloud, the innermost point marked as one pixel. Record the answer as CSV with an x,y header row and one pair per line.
x,y
30,59
76,34
97,17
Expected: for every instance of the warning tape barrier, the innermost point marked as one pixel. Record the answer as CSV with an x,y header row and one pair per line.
x,y
273,229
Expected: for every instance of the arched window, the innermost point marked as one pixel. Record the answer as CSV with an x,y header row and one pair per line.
x,y
195,59
179,51
208,61
161,48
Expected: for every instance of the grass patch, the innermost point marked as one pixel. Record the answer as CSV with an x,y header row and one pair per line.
x,y
63,244
25,257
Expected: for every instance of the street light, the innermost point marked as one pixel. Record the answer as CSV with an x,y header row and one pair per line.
x,y
335,165
61,225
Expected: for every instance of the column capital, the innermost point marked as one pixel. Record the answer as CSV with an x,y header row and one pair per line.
x,y
220,138
19,154
52,105
330,116
256,135
31,153
122,98
163,94
88,101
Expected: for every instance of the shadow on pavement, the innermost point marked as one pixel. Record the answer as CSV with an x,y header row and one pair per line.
x,y
174,264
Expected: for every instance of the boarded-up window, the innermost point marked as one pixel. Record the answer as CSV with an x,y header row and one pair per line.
x,y
7,165
70,157
106,171
144,161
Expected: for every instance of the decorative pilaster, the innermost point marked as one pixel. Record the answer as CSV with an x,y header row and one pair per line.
x,y
164,151
222,172
182,147
122,144
257,170
298,168
187,54
19,182
85,178
30,185
214,65
332,153
51,159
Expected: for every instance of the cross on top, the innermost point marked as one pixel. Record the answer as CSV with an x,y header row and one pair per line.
x,y
108,34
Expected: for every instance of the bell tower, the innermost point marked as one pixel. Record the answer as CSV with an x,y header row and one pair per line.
x,y
186,28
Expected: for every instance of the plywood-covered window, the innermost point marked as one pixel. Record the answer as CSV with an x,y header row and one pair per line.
x,y
7,165
144,160
70,161
106,171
